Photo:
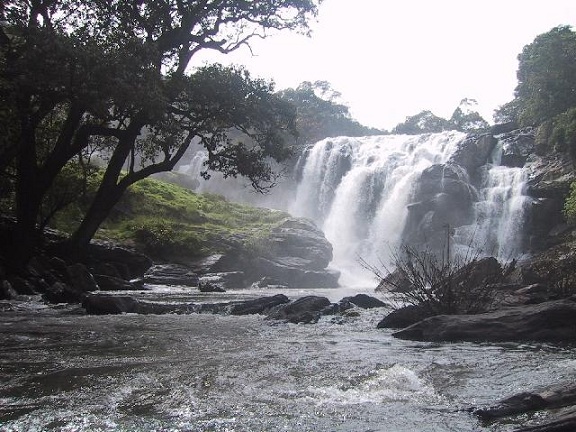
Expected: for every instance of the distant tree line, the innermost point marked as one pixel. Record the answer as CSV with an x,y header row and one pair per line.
x,y
463,119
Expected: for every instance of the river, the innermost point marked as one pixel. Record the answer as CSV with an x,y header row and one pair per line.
x,y
64,371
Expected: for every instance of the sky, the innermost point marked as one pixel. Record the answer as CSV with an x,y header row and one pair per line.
x,y
391,59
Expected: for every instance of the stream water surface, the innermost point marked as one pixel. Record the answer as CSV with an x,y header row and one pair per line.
x,y
61,371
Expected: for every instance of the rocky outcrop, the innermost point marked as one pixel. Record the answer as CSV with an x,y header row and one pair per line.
x,y
444,197
296,254
549,180
553,321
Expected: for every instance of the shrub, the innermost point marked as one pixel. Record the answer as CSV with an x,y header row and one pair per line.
x,y
441,285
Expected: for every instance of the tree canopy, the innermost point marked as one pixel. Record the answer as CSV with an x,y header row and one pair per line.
x,y
463,119
115,78
546,79
320,115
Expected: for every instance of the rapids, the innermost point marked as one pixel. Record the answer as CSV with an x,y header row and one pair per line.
x,y
65,372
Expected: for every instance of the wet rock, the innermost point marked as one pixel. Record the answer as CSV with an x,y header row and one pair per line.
x,y
304,310
81,279
223,280
96,304
394,281
111,283
299,237
259,305
6,291
211,264
552,398
338,308
60,292
171,274
295,272
365,301
474,152
404,317
208,286
22,286
517,146
553,321
443,197
129,263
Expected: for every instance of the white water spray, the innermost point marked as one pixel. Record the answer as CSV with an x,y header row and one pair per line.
x,y
357,190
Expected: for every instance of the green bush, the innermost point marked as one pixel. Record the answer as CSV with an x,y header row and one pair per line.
x,y
570,205
563,136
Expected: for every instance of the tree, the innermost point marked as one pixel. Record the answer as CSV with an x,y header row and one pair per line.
x,y
110,76
423,122
320,115
465,119
546,76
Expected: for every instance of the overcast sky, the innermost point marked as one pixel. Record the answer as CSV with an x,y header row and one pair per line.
x,y
394,58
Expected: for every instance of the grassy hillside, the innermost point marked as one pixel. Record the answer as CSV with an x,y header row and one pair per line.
x,y
164,220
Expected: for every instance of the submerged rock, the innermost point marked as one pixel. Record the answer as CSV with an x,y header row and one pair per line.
x,y
553,321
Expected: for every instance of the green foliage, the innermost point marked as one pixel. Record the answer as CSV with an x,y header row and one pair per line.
x,y
319,115
423,122
465,119
570,205
546,77
167,220
114,77
563,135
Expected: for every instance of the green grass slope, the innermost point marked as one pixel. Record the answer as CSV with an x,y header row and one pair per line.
x,y
166,221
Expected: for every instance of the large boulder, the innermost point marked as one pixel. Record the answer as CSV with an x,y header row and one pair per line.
x,y
404,317
443,197
517,146
294,272
474,152
553,321
364,301
258,306
299,237
305,310
129,263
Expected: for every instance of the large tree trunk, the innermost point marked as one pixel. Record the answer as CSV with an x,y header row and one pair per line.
x,y
28,200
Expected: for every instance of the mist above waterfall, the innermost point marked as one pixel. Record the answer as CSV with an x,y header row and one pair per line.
x,y
371,194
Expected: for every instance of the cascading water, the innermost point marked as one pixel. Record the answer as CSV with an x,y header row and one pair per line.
x,y
358,189
360,192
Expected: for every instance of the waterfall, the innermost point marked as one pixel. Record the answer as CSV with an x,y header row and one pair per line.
x,y
499,211
357,190
371,194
